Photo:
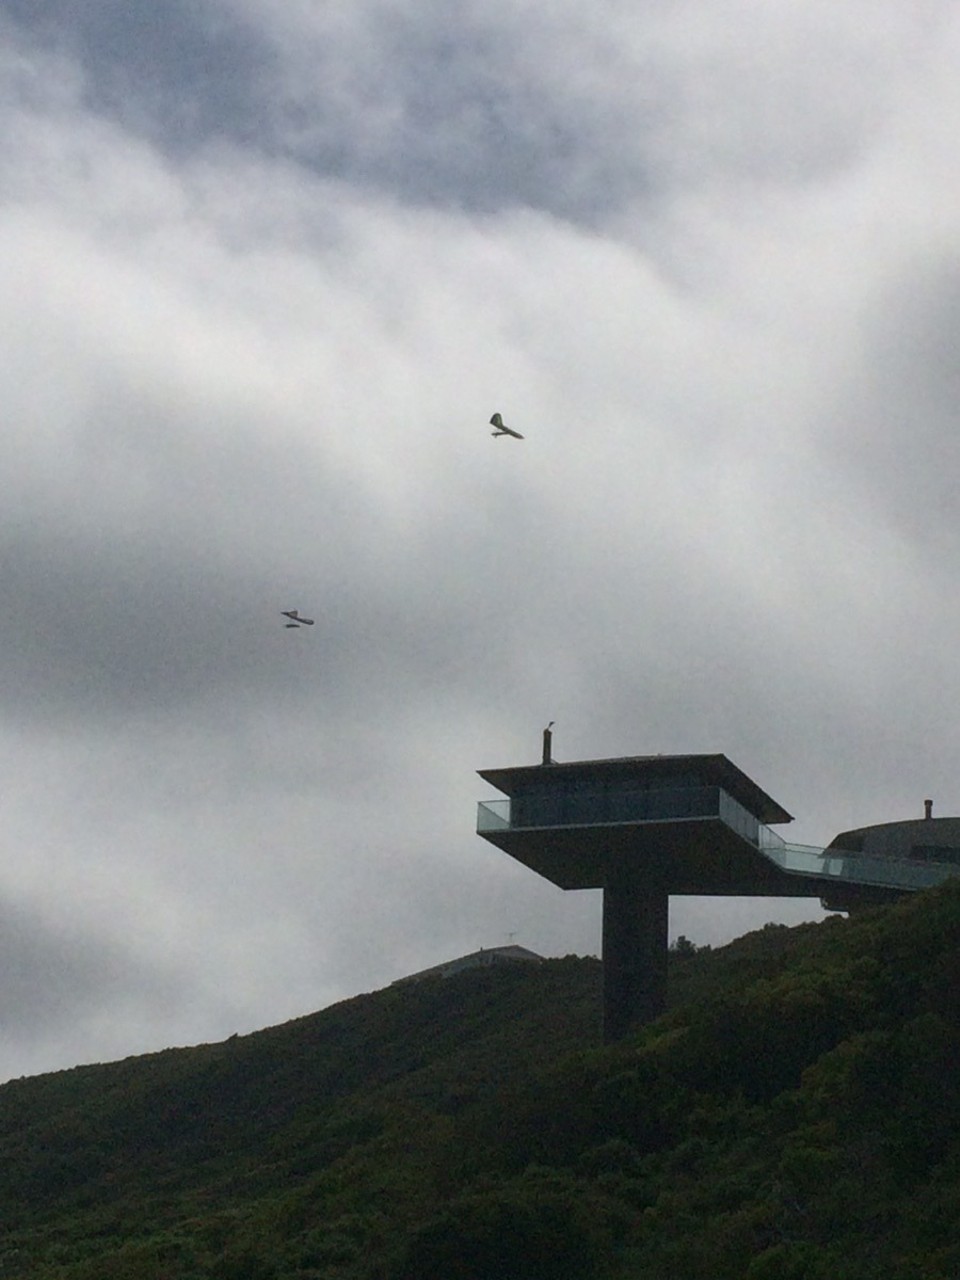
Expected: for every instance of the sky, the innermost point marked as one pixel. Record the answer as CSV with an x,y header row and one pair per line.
x,y
266,271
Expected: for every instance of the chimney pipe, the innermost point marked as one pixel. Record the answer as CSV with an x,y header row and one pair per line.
x,y
928,808
547,743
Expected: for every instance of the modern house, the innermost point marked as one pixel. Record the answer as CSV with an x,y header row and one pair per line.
x,y
642,828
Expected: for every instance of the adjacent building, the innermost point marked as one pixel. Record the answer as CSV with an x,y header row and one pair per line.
x,y
482,959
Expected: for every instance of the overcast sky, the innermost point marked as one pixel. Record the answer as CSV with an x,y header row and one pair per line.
x,y
265,272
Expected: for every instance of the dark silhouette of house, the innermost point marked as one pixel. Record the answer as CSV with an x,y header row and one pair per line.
x,y
642,828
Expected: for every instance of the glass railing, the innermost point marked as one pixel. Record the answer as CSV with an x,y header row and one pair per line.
x,y
493,815
853,868
858,868
739,819
676,804
595,808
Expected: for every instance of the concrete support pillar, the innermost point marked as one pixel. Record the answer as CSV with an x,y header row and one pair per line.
x,y
634,951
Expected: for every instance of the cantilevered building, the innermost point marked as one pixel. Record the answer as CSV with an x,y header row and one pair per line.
x,y
644,827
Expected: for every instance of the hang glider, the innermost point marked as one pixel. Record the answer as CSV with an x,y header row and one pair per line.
x,y
295,619
502,429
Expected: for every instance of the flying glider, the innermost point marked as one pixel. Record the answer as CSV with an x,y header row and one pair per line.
x,y
295,618
502,429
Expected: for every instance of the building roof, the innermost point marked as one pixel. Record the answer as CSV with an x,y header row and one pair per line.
x,y
901,839
475,960
710,770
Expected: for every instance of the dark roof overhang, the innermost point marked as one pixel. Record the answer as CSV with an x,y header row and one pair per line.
x,y
709,770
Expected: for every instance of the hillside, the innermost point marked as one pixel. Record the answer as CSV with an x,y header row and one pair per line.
x,y
796,1114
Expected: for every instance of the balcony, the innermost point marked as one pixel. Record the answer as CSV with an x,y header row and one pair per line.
x,y
647,807
604,808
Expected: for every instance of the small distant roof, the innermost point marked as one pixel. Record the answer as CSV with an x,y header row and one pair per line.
x,y
711,770
475,960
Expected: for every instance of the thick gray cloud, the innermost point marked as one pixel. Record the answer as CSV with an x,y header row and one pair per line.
x,y
907,454
481,107
173,71
51,973
60,979
579,113
265,272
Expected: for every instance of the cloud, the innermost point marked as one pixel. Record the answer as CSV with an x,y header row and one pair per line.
x,y
581,113
483,108
171,72
899,443
68,990
51,974
703,260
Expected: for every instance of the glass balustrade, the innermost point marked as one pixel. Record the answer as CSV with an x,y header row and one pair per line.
x,y
858,868
493,815
593,808
679,803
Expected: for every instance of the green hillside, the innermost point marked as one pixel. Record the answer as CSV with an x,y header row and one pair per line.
x,y
796,1115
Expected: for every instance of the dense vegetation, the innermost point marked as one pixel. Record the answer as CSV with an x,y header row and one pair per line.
x,y
796,1115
